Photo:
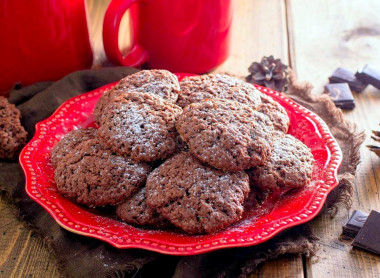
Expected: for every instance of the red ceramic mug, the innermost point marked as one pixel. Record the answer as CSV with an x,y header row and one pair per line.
x,y
181,36
42,40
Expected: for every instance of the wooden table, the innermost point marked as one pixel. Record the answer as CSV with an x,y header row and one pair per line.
x,y
314,38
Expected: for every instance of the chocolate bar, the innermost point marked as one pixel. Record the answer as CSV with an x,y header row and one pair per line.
x,y
341,75
369,75
368,237
355,223
341,95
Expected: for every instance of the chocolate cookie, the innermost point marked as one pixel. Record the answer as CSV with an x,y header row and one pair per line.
x,y
159,82
12,133
136,211
226,134
276,113
69,142
195,197
289,166
94,176
140,125
197,88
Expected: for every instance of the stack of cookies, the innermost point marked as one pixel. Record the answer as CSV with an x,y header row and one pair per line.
x,y
185,155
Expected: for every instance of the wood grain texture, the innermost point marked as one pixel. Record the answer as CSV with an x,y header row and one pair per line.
x,y
22,253
347,34
283,266
259,29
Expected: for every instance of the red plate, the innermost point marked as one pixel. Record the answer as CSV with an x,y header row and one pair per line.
x,y
295,209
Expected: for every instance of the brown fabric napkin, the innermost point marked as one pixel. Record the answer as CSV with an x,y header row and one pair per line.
x,y
79,256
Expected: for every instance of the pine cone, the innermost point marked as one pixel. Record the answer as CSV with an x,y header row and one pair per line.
x,y
376,137
270,72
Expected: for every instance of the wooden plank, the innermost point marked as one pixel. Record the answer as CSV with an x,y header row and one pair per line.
x,y
22,253
283,266
347,34
336,33
259,29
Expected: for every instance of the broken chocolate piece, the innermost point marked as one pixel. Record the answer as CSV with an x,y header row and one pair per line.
x,y
341,75
355,223
341,95
368,237
369,75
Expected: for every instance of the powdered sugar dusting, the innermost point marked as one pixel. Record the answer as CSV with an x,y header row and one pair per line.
x,y
158,82
225,134
197,88
94,176
278,171
196,197
141,125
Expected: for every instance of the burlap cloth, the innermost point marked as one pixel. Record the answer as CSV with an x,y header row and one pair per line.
x,y
79,256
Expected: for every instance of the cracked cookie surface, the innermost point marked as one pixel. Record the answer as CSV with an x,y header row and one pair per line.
x,y
276,113
12,133
159,82
141,126
69,142
136,211
197,88
95,176
226,134
289,166
195,197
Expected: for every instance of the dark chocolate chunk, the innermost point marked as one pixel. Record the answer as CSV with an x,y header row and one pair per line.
x,y
369,75
368,237
341,95
354,224
341,75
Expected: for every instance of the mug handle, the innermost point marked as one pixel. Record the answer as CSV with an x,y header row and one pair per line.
x,y
137,55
